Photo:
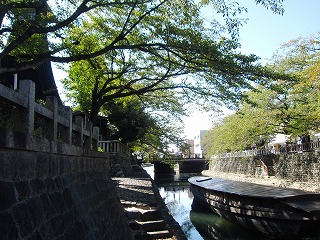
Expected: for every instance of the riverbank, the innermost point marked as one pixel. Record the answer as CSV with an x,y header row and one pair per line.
x,y
265,180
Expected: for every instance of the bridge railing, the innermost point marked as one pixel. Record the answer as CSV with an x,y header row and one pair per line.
x,y
51,120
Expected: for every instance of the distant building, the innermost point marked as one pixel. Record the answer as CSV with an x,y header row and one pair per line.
x,y
190,151
198,144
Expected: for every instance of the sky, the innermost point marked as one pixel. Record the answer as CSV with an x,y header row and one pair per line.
x,y
262,35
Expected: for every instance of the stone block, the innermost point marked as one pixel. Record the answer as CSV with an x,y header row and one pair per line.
x,y
58,225
68,201
21,216
75,231
48,208
37,186
42,165
8,196
57,201
50,185
8,229
36,211
58,182
35,236
23,190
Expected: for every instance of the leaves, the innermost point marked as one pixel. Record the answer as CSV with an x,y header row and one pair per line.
x,y
283,105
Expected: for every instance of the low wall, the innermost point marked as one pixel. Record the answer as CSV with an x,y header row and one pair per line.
x,y
53,190
303,166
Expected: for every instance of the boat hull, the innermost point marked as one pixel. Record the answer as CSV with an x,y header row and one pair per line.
x,y
273,216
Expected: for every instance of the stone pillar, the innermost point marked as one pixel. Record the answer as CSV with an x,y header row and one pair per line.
x,y
95,138
67,133
27,89
88,140
52,104
79,136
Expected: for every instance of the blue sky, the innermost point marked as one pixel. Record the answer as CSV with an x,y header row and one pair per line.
x,y
262,35
265,31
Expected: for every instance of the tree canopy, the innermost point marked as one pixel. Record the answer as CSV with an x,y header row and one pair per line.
x,y
283,106
165,53
25,23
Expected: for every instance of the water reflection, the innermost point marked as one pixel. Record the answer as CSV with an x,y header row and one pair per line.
x,y
178,199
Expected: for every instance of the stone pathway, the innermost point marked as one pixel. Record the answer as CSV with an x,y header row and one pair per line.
x,y
147,214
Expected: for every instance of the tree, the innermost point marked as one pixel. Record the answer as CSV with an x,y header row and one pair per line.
x,y
149,49
158,56
288,106
21,37
301,57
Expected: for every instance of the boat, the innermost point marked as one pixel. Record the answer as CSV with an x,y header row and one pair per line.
x,y
279,213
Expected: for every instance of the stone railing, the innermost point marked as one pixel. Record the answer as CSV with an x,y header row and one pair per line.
x,y
51,120
120,157
283,149
114,147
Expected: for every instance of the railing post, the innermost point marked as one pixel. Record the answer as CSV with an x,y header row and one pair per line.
x,y
27,89
79,140
67,134
88,140
52,104
95,138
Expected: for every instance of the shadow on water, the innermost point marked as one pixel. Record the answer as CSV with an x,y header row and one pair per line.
x,y
211,226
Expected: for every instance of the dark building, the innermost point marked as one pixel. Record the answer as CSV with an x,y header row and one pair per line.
x,y
41,75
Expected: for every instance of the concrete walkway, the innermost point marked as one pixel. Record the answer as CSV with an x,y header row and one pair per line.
x,y
147,214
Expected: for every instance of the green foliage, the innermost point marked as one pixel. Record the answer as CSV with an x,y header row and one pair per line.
x,y
156,50
33,32
301,57
130,119
289,106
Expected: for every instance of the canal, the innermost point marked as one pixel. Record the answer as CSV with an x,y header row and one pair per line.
x,y
196,223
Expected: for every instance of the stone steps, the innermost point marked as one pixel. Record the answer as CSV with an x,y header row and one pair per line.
x,y
146,224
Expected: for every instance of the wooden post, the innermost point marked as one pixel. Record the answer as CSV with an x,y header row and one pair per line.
x,y
27,89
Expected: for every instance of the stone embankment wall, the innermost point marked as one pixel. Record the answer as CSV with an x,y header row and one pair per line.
x,y
303,166
52,190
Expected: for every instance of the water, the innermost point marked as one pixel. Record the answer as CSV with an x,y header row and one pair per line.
x,y
196,223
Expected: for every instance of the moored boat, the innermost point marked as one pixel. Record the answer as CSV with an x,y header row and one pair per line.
x,y
278,212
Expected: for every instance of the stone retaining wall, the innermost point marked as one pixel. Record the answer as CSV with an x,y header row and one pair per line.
x,y
304,166
53,190
245,165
